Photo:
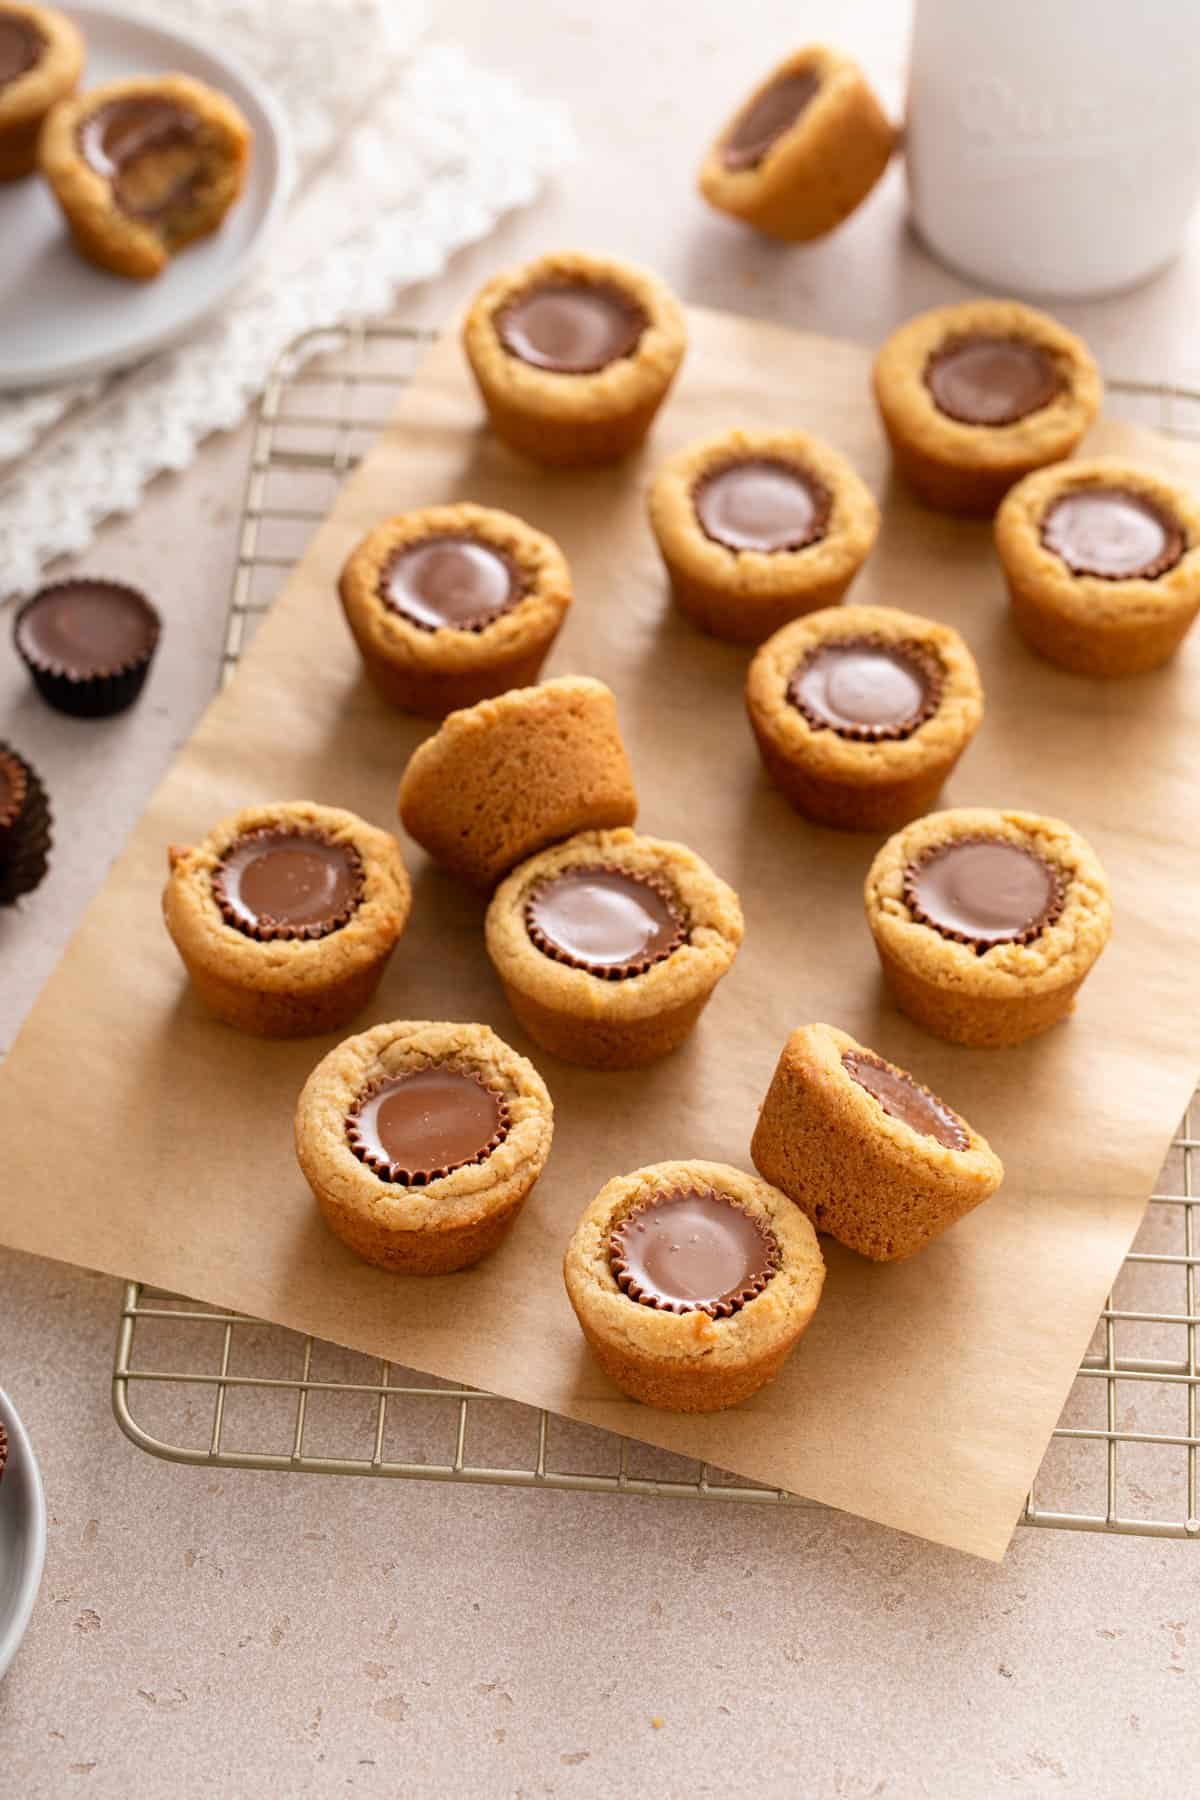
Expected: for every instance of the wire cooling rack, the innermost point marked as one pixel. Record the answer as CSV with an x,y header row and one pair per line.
x,y
196,1385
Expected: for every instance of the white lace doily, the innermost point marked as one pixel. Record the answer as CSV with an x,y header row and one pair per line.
x,y
442,150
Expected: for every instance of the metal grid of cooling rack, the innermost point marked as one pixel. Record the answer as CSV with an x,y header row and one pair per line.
x,y
220,1390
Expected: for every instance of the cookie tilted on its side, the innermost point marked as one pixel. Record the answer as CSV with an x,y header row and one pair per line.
x,y
759,527
453,604
1103,565
803,151
692,1283
421,1142
866,1151
573,355
975,396
286,914
505,778
987,923
610,945
862,712
144,166
41,60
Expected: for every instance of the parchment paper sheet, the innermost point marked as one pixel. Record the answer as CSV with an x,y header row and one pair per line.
x,y
141,1138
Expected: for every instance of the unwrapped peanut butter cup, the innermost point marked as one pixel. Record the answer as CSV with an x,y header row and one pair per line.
x,y
88,644
605,920
983,891
281,883
905,1099
571,327
866,689
451,582
692,1251
416,1127
990,381
763,503
25,827
22,47
1113,534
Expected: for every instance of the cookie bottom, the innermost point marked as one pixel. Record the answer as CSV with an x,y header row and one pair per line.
x,y
743,619
429,1252
983,1024
283,1015
608,1043
684,1387
1110,649
949,487
570,443
881,806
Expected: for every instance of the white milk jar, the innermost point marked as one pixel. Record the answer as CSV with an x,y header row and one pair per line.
x,y
1053,146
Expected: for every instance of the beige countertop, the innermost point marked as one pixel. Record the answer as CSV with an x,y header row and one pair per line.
x,y
237,1633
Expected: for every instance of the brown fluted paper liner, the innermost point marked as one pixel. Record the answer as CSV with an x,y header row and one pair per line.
x,y
140,1137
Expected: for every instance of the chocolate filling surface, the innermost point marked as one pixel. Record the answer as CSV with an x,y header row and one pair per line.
x,y
865,689
21,47
982,380
604,920
761,503
905,1099
457,583
1113,533
146,147
284,883
692,1251
774,111
86,628
983,891
571,327
416,1127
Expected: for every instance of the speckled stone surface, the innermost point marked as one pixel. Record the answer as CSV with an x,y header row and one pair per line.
x,y
237,1633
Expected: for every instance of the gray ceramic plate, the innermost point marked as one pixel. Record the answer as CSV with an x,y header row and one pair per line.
x,y
59,317
22,1534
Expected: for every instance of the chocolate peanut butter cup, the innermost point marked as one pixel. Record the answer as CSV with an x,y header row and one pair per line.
x,y
692,1251
25,827
571,328
145,146
983,891
88,644
1112,533
21,47
762,503
866,689
905,1099
422,1125
991,381
274,884
451,583
605,920
774,110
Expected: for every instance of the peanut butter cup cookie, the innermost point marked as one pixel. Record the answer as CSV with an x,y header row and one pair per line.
x,y
421,1142
1103,565
454,604
41,59
285,916
861,713
573,355
758,527
803,151
865,1150
25,837
692,1283
610,945
511,775
142,167
987,923
975,396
